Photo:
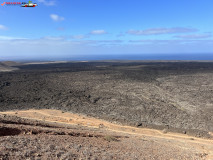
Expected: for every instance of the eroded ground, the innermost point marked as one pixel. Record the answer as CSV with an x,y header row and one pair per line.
x,y
53,134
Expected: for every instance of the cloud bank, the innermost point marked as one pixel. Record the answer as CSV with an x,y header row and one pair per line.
x,y
98,32
59,47
194,36
157,31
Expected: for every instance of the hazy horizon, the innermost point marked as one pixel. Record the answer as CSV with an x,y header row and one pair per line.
x,y
195,56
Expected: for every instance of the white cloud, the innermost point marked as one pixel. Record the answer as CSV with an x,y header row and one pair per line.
x,y
56,17
194,36
47,3
98,32
157,31
10,38
2,27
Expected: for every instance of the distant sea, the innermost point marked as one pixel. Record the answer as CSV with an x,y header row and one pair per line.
x,y
172,56
143,57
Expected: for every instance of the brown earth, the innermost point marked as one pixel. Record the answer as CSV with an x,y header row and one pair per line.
x,y
53,134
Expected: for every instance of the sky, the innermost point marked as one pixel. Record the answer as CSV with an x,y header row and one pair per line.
x,y
56,29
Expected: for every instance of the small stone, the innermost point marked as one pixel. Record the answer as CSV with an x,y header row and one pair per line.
x,y
139,124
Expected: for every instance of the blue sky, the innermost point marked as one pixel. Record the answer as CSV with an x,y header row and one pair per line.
x,y
97,27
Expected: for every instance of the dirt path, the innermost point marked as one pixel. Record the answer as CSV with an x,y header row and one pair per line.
x,y
205,146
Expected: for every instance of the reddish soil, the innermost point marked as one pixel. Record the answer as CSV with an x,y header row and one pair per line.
x,y
53,134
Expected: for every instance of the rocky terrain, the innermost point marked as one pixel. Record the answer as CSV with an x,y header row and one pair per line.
x,y
149,94
168,96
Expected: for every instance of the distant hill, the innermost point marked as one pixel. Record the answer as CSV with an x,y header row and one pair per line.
x,y
10,63
8,66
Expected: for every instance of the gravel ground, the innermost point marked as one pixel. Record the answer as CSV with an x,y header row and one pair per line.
x,y
19,141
